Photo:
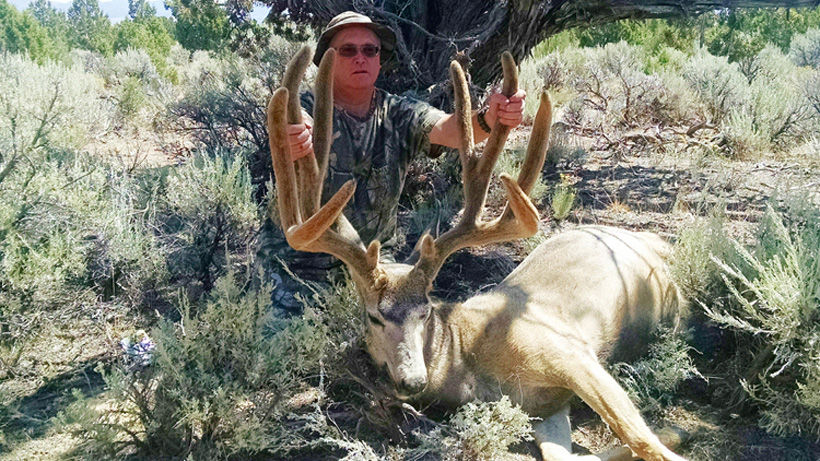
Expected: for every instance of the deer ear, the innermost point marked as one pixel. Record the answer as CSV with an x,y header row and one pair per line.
x,y
379,278
373,251
427,247
427,252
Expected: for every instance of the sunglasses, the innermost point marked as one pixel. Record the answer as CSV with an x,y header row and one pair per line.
x,y
349,51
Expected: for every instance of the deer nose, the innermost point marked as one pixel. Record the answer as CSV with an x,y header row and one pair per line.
x,y
412,386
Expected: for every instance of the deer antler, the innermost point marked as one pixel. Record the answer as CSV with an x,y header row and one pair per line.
x,y
299,184
520,217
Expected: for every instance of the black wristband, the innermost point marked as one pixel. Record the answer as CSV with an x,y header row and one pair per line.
x,y
482,122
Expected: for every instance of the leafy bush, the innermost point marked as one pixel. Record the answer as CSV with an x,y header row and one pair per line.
x,y
744,137
127,259
693,265
136,84
720,85
606,92
209,215
616,89
225,98
222,383
478,431
652,381
46,112
50,105
563,198
152,34
778,115
805,49
775,312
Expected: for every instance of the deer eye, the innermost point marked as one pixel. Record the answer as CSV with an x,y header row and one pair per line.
x,y
375,320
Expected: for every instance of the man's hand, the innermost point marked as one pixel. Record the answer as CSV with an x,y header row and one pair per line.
x,y
300,137
508,112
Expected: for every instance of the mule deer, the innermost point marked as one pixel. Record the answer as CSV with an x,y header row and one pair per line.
x,y
539,335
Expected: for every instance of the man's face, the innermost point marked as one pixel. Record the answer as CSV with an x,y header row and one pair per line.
x,y
356,72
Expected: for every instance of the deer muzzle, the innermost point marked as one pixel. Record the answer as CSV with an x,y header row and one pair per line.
x,y
412,385
410,376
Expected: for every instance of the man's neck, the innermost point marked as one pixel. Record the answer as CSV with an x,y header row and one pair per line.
x,y
354,102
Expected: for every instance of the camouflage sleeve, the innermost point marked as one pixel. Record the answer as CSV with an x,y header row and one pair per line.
x,y
420,118
306,100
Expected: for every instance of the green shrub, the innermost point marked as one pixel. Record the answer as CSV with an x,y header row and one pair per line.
x,y
693,265
720,85
653,381
745,139
219,385
478,431
605,92
225,99
77,227
547,73
209,216
50,105
774,310
151,34
615,86
127,259
230,380
563,198
131,63
805,49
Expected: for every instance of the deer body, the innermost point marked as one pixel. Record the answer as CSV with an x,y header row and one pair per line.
x,y
539,336
518,336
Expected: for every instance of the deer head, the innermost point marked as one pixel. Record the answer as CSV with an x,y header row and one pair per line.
x,y
395,296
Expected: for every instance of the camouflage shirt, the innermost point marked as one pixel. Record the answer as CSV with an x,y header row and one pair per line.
x,y
375,151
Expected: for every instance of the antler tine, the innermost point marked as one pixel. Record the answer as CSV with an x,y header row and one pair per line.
x,y
461,93
477,180
323,115
299,233
469,160
283,168
307,170
536,154
314,234
294,74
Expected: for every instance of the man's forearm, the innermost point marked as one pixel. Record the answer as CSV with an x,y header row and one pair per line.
x,y
446,132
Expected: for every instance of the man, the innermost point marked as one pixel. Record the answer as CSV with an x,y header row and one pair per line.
x,y
376,136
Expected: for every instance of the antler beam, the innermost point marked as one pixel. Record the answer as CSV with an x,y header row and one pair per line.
x,y
520,217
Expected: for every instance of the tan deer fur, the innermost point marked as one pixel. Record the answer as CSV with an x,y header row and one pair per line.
x,y
539,336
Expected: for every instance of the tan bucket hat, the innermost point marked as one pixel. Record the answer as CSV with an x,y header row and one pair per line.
x,y
351,18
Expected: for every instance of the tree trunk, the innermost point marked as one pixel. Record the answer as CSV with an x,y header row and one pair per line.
x,y
431,33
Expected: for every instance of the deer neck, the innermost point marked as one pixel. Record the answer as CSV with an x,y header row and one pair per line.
x,y
447,345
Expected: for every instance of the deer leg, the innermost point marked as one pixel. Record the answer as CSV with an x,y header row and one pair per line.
x,y
670,437
554,438
604,395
